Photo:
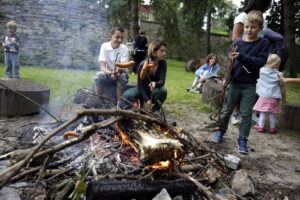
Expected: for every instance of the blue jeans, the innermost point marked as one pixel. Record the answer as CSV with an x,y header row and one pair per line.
x,y
12,64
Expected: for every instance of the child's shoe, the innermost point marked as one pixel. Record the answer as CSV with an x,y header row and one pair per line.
x,y
218,137
259,129
272,130
242,145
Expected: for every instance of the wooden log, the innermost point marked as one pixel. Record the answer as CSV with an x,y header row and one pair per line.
x,y
13,104
290,117
212,92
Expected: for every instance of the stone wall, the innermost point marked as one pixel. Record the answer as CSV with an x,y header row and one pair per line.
x,y
57,32
192,46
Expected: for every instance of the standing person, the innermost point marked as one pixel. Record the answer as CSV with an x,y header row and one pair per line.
x,y
11,43
238,32
209,69
112,52
140,49
270,92
151,79
252,53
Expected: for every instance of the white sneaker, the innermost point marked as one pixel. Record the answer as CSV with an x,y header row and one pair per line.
x,y
235,119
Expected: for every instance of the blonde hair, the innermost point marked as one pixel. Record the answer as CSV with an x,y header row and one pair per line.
x,y
273,61
255,16
154,46
12,24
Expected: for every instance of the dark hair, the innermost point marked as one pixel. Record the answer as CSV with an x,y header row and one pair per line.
x,y
210,56
154,46
142,32
116,28
260,5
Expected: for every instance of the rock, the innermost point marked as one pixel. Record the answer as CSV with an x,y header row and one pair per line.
x,y
232,161
163,195
179,197
9,193
241,183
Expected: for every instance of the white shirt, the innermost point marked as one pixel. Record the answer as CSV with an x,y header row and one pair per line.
x,y
241,18
110,55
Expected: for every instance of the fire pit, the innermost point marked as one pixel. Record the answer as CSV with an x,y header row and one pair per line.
x,y
116,153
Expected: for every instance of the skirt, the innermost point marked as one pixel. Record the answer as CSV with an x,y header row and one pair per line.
x,y
270,105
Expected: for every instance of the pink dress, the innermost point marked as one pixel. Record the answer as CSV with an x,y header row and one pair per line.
x,y
270,105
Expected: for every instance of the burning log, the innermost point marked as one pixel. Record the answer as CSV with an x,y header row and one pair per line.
x,y
156,148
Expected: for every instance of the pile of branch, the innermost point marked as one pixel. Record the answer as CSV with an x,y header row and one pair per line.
x,y
195,158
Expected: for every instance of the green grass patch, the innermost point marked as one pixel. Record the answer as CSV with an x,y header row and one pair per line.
x,y
64,83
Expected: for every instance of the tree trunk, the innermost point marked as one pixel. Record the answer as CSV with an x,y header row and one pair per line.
x,y
135,18
289,33
207,35
290,116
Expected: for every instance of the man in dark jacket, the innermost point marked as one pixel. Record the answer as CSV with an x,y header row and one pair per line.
x,y
140,49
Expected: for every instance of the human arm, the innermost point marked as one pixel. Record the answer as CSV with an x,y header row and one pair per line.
x,y
283,93
143,84
162,74
254,61
237,31
276,40
289,80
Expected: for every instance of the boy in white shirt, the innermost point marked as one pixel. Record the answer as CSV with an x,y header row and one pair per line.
x,y
112,52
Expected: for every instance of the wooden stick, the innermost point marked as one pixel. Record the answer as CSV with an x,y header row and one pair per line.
x,y
10,172
202,188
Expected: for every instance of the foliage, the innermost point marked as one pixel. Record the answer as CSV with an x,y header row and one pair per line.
x,y
118,12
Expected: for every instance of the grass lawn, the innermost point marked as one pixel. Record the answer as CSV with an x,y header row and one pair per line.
x,y
64,83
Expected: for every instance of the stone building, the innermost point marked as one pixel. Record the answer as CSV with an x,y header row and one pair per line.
x,y
58,33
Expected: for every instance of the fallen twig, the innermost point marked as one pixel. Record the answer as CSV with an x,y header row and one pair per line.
x,y
10,172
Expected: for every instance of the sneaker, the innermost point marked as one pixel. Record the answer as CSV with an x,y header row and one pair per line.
x,y
258,128
242,145
218,137
255,118
272,130
235,118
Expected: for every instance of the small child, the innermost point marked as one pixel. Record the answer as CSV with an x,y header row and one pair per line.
x,y
11,43
210,68
251,55
112,52
270,92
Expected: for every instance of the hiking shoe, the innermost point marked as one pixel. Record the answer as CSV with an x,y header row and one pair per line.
x,y
258,128
235,118
218,137
242,145
272,130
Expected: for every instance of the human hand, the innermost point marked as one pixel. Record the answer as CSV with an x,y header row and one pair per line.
x,y
148,105
152,86
234,55
282,80
114,75
118,70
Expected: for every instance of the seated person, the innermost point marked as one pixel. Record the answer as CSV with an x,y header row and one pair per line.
x,y
151,79
210,68
110,53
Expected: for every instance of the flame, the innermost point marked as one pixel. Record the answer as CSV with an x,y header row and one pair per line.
x,y
161,165
124,137
116,138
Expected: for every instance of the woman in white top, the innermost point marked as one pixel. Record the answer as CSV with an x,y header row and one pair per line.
x,y
238,27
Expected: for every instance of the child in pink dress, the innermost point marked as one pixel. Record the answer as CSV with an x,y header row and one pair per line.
x,y
270,92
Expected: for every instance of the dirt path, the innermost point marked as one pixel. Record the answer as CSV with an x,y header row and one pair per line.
x,y
274,160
